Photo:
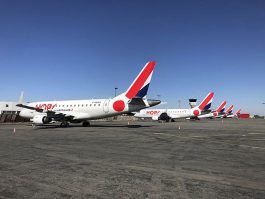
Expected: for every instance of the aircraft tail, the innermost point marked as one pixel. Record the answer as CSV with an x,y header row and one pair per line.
x,y
221,107
21,98
139,87
230,109
207,101
238,112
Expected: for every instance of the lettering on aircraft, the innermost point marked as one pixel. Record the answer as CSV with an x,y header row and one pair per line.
x,y
46,106
152,112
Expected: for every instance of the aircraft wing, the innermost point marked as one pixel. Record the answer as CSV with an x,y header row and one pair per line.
x,y
30,107
50,113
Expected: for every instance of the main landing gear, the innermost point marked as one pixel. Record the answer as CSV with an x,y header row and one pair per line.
x,y
86,123
64,124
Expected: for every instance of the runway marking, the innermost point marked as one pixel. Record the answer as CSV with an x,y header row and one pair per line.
x,y
165,134
258,139
253,147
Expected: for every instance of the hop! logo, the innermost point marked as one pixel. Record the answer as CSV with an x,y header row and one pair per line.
x,y
152,112
46,106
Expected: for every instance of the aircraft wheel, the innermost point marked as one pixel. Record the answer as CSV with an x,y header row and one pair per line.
x,y
85,124
64,124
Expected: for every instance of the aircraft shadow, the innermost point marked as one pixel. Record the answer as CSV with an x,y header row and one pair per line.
x,y
92,126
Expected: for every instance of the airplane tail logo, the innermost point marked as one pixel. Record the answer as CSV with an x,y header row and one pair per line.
x,y
207,101
140,85
230,109
221,108
238,112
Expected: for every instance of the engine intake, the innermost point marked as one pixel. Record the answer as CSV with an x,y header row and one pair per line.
x,y
40,119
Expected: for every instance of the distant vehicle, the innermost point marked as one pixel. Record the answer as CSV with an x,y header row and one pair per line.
x,y
234,115
171,114
77,111
215,113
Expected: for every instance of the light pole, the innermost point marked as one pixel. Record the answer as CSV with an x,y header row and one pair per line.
x,y
115,91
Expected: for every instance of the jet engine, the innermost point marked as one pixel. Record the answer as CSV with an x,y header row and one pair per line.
x,y
41,119
165,117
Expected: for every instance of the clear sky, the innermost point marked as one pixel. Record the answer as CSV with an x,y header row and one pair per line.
x,y
61,49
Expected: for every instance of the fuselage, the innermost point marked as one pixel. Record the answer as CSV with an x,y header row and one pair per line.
x,y
83,109
172,113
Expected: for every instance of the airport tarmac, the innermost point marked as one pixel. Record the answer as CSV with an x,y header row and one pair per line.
x,y
184,159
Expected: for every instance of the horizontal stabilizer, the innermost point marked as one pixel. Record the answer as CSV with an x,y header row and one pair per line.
x,y
136,101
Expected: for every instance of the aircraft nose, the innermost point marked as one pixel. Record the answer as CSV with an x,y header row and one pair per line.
x,y
153,102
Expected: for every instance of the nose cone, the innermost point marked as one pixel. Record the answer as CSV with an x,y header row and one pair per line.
x,y
153,102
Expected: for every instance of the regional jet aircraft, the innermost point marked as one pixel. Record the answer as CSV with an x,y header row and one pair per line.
x,y
77,111
215,113
234,115
228,112
171,114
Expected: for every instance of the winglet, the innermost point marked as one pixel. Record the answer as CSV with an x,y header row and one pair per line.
x,y
140,85
221,107
206,101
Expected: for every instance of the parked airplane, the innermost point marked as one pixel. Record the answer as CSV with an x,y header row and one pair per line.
x,y
234,115
171,114
215,113
77,111
228,112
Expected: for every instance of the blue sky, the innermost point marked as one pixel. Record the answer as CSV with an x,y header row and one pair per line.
x,y
84,49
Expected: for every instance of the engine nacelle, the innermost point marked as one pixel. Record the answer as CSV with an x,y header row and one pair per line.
x,y
164,117
41,119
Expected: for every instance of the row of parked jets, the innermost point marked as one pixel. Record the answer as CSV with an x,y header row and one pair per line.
x,y
132,101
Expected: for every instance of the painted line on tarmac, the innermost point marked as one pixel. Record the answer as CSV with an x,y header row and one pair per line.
x,y
253,147
255,133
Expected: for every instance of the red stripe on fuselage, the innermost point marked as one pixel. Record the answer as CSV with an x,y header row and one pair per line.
x,y
206,101
138,84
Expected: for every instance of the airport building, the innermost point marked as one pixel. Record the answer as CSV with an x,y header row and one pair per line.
x,y
9,112
9,107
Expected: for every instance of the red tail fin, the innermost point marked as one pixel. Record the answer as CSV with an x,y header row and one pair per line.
x,y
206,100
221,106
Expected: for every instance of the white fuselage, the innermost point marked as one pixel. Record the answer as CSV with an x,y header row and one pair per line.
x,y
210,115
172,113
82,109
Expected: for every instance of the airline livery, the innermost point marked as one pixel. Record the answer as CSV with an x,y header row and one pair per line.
x,y
77,111
234,115
228,112
215,113
171,114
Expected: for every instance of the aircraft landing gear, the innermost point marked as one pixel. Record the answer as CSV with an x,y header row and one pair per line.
x,y
64,124
86,123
